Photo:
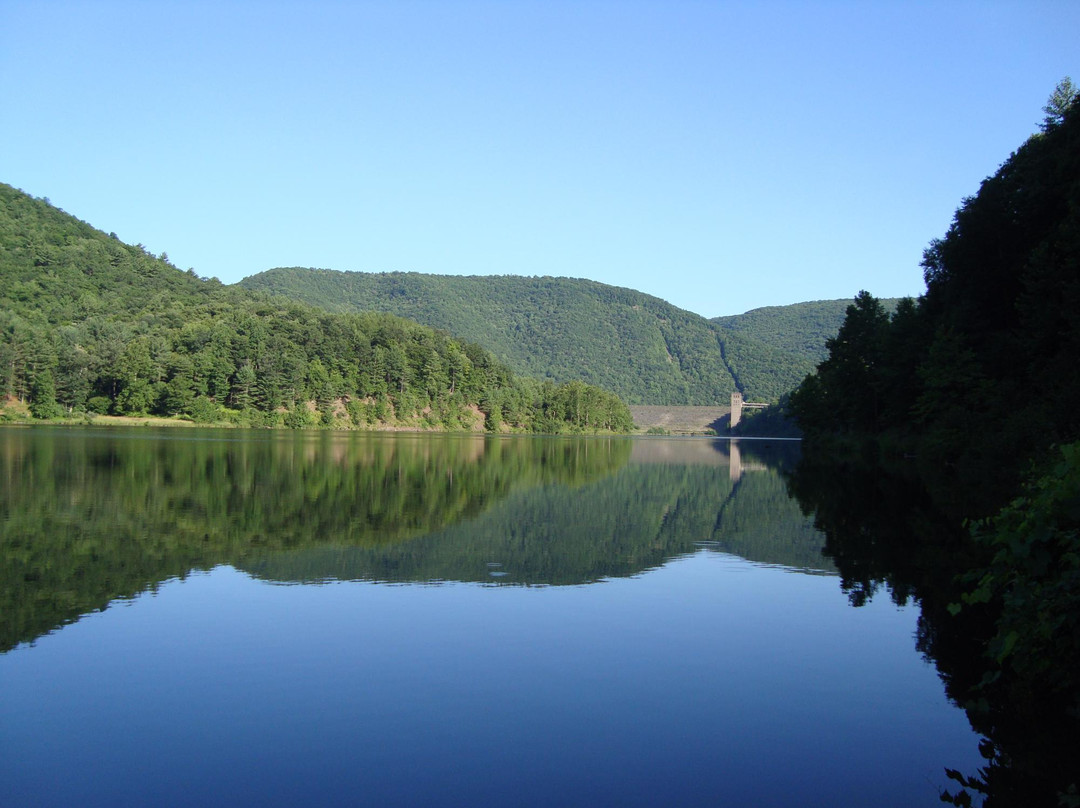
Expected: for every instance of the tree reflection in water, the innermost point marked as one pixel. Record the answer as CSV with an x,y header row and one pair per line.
x,y
93,516
885,530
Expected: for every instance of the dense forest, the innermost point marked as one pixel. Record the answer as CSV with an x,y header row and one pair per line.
x,y
640,347
976,384
980,372
801,328
89,324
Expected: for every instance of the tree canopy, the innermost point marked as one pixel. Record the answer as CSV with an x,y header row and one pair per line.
x,y
639,346
978,381
980,372
90,324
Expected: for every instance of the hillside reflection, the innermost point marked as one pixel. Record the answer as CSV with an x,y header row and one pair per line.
x,y
88,517
673,497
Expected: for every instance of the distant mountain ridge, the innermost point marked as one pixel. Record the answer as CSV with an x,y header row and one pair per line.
x,y
800,328
639,346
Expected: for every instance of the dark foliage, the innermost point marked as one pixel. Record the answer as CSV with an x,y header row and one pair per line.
x,y
998,606
979,374
978,379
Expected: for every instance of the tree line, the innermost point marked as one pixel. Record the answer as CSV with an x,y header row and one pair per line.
x,y
639,346
89,324
976,382
980,371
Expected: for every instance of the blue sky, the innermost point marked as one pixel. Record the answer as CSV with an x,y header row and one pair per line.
x,y
720,155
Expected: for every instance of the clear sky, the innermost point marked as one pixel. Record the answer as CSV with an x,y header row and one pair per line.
x,y
720,155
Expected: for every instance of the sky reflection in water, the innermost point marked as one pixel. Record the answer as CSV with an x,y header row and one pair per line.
x,y
700,678
708,681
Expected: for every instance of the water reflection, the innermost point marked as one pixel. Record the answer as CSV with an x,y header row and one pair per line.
x,y
92,516
689,676
671,498
889,532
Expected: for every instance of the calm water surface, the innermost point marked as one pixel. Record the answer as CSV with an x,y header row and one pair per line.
x,y
216,618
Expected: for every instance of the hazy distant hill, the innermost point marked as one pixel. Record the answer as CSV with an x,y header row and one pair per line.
x,y
639,346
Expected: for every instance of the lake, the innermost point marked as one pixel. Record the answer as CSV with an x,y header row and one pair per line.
x,y
199,617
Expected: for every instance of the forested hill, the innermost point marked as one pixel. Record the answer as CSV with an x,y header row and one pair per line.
x,y
641,347
980,373
90,324
801,328
976,384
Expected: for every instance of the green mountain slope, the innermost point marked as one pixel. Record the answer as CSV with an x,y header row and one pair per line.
x,y
641,347
800,329
88,323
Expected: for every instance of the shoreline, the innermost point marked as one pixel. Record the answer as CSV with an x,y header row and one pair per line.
x,y
150,421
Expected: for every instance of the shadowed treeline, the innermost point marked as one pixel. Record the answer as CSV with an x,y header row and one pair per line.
x,y
976,383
